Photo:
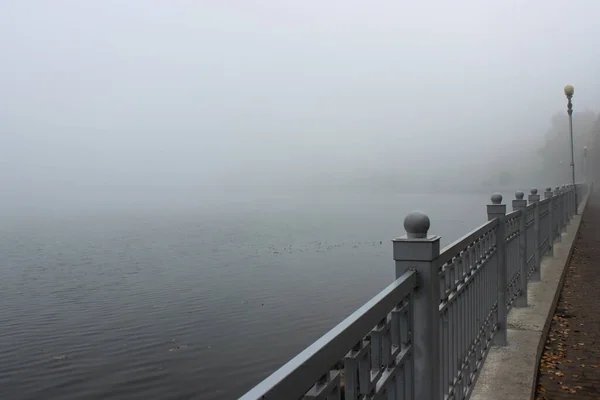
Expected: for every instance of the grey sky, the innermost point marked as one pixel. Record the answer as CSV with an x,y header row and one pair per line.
x,y
188,92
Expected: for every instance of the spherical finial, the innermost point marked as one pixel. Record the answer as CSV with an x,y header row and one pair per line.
x,y
416,225
496,198
558,188
519,195
534,191
569,90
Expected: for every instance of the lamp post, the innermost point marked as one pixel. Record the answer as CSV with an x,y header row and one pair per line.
x,y
569,91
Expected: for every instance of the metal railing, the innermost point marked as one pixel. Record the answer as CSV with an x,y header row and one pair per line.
x,y
467,269
426,336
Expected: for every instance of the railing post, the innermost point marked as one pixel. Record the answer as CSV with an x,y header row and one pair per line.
x,y
567,189
418,250
558,215
498,210
534,198
574,196
569,201
578,197
565,192
563,208
520,204
548,195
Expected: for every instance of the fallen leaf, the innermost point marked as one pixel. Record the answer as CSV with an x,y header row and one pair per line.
x,y
541,388
558,373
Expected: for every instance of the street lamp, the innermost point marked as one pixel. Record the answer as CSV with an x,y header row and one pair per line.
x,y
569,91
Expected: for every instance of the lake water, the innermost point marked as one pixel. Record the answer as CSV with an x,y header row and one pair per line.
x,y
198,303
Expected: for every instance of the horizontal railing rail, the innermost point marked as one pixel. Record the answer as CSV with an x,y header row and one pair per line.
x,y
458,246
426,336
374,342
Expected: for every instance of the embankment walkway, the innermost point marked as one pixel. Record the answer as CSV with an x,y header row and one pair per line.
x,y
570,363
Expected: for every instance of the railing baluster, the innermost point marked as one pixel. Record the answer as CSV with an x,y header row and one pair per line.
x,y
401,383
407,342
351,371
377,350
520,204
364,371
534,198
454,267
551,216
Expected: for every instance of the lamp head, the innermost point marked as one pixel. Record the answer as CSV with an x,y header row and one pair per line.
x,y
569,91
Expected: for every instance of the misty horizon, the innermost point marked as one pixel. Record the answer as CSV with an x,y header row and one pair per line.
x,y
103,97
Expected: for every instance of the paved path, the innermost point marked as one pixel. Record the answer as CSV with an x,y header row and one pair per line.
x,y
570,365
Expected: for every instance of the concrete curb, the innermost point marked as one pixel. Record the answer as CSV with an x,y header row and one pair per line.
x,y
510,372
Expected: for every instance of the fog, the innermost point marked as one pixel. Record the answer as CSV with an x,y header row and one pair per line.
x,y
121,102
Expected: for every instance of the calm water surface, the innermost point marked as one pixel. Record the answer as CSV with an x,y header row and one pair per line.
x,y
194,304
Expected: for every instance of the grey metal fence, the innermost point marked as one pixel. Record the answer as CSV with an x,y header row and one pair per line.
x,y
468,270
426,336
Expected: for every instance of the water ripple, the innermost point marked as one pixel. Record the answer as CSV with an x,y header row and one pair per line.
x,y
187,306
